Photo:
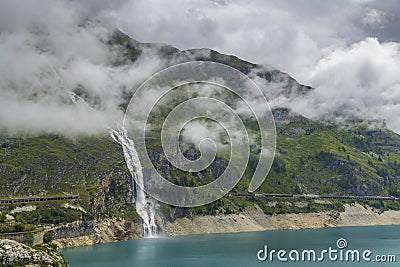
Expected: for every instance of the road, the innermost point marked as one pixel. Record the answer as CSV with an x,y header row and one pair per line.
x,y
339,197
36,199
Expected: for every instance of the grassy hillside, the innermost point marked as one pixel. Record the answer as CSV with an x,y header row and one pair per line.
x,y
92,167
312,157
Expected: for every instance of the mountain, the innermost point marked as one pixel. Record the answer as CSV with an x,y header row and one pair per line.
x,y
312,157
130,50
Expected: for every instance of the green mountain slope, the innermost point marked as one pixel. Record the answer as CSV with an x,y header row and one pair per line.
x,y
312,157
92,167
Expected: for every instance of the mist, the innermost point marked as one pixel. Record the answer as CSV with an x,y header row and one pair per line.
x,y
361,82
50,48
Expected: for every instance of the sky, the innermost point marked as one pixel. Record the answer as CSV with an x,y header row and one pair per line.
x,y
348,50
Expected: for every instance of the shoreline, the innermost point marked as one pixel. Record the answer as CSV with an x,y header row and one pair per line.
x,y
251,220
255,220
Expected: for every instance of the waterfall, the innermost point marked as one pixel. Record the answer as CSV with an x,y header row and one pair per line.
x,y
145,206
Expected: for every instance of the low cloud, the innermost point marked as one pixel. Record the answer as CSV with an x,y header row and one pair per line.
x,y
289,35
49,48
348,50
195,132
361,81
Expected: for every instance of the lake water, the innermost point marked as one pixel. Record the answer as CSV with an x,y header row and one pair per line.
x,y
240,249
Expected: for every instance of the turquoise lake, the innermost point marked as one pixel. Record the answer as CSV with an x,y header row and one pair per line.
x,y
240,249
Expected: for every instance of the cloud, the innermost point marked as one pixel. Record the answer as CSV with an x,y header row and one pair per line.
x,y
44,117
49,48
346,49
361,81
289,35
195,132
373,17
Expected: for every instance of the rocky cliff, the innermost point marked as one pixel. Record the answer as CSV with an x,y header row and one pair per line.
x,y
13,253
97,232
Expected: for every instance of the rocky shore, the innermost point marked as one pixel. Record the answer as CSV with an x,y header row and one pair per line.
x,y
247,221
108,230
256,220
13,253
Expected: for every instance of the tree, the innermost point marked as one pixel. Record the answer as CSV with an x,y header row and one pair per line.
x,y
47,237
19,227
2,217
29,238
382,172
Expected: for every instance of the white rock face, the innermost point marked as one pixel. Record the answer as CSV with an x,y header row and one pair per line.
x,y
14,253
23,208
9,217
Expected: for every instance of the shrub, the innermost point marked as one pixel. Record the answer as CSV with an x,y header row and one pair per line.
x,y
19,227
29,238
47,237
2,217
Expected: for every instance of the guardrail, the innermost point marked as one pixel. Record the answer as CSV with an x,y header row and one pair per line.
x,y
360,197
313,196
37,199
